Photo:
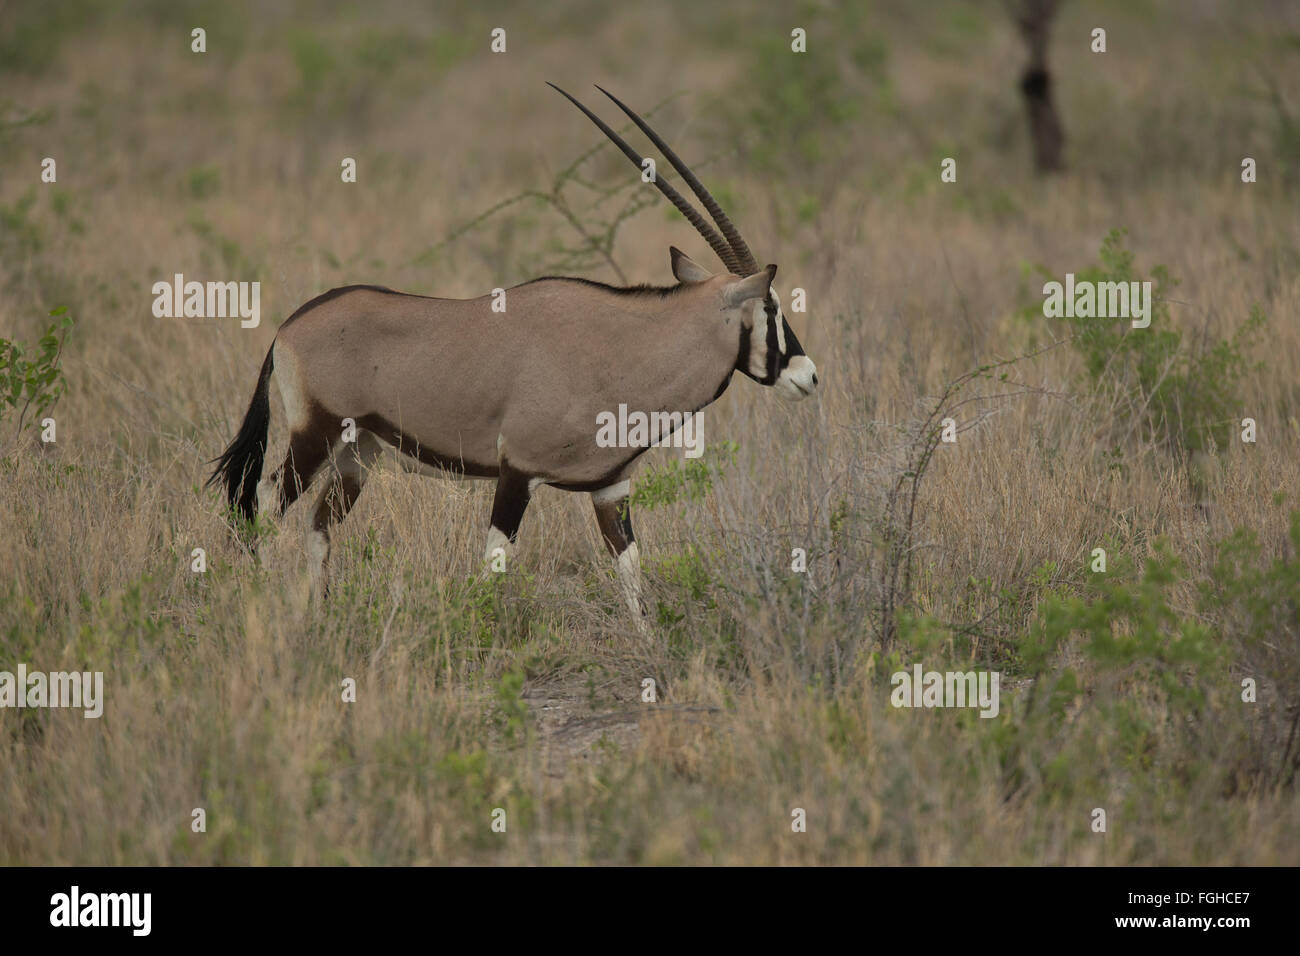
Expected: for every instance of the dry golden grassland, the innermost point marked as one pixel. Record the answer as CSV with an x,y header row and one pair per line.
x,y
1122,690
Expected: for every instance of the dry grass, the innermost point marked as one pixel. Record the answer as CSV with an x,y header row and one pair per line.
x,y
223,690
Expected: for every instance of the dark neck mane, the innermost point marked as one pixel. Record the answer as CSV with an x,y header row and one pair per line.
x,y
640,289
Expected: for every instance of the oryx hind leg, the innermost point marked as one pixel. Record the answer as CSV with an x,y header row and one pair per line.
x,y
309,450
312,438
349,467
614,517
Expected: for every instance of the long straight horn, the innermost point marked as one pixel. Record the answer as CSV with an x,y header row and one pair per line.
x,y
715,241
744,258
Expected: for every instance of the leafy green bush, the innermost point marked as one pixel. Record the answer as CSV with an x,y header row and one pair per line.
x,y
509,712
802,102
1156,667
1254,599
19,235
34,383
691,478
32,35
1129,625
1166,392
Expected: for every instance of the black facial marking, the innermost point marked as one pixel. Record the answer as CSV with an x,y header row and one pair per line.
x,y
792,346
774,357
742,356
776,360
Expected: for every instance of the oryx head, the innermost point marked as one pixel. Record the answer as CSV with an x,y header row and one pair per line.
x,y
768,352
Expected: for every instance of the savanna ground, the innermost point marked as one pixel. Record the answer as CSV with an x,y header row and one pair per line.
x,y
1122,689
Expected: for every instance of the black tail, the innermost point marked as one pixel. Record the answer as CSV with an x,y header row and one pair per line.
x,y
240,466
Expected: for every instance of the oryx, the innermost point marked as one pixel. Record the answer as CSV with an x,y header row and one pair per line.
x,y
458,387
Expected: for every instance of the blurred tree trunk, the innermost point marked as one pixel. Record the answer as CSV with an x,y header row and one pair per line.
x,y
1034,19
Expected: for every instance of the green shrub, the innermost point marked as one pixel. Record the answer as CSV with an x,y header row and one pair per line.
x,y
1156,667
691,478
1165,392
36,383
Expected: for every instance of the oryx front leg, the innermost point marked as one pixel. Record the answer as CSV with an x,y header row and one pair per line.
x,y
508,507
614,517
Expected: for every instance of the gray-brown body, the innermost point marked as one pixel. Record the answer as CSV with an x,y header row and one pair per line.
x,y
409,369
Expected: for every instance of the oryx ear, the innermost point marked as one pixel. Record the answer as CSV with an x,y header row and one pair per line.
x,y
753,287
687,269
